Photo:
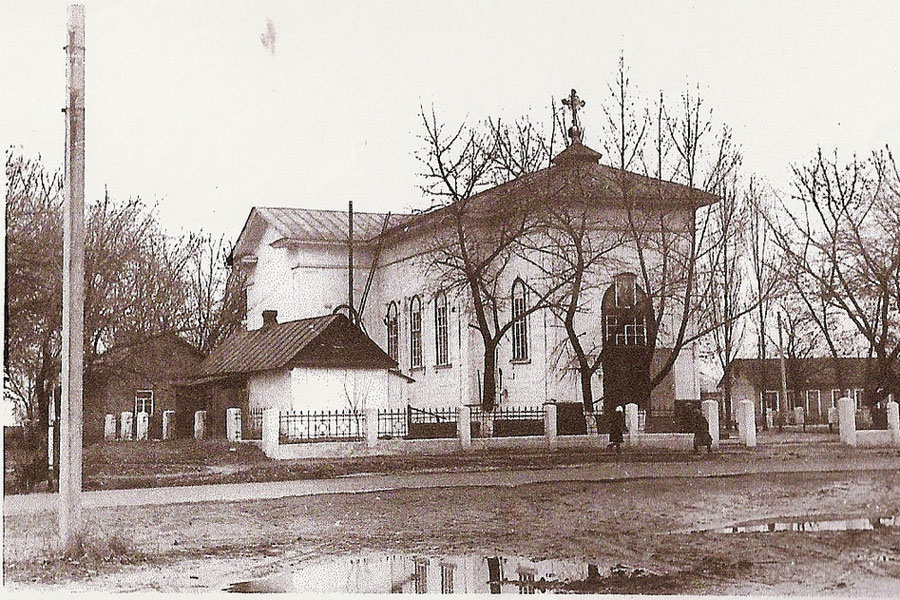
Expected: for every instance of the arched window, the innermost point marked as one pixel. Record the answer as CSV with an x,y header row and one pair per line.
x,y
520,320
393,330
415,332
441,346
626,313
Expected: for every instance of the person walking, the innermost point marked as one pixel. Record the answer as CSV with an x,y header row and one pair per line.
x,y
701,431
616,429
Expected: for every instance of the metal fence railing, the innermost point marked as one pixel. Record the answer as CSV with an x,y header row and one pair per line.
x,y
518,421
393,424
251,428
321,426
432,422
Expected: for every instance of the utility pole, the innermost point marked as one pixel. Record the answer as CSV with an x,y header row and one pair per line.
x,y
784,392
70,425
350,311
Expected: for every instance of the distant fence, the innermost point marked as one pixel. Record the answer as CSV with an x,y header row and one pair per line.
x,y
321,426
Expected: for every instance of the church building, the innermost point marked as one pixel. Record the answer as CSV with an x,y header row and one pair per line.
x,y
297,262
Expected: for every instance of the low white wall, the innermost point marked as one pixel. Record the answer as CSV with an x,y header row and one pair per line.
x,y
670,441
871,438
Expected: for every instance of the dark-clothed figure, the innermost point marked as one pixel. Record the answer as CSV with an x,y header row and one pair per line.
x,y
616,429
701,431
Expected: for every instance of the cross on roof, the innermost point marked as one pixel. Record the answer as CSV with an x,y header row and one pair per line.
x,y
574,103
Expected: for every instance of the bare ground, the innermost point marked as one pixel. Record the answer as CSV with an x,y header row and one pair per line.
x,y
645,523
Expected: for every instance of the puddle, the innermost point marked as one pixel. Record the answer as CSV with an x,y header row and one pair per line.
x,y
857,524
380,573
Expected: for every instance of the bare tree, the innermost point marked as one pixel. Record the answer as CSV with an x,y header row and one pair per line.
x,y
474,238
841,232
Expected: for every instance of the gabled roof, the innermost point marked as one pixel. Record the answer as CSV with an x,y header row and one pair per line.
x,y
311,225
575,171
326,341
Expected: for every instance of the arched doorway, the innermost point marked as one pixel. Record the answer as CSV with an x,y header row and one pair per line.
x,y
627,330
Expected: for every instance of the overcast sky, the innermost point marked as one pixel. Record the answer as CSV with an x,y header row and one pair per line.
x,y
187,107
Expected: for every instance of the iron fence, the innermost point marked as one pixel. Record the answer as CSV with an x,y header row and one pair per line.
x,y
251,428
431,423
431,415
393,424
518,421
322,426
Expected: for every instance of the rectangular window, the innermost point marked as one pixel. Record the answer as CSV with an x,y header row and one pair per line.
x,y
771,399
858,398
420,578
143,402
441,331
447,578
520,328
393,338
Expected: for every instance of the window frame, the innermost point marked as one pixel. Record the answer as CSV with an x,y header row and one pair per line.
x,y
520,346
144,402
392,321
818,397
441,330
415,333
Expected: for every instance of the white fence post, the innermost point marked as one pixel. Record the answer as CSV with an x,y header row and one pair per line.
x,y
893,419
631,418
711,412
168,424
748,420
371,427
109,428
233,424
125,428
550,424
199,424
271,431
464,427
143,425
847,421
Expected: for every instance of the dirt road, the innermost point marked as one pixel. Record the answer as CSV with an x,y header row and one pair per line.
x,y
645,522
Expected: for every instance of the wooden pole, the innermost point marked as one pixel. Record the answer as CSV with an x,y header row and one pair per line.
x,y
70,425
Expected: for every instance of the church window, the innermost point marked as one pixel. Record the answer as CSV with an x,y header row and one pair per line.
x,y
415,332
441,345
143,401
520,320
393,330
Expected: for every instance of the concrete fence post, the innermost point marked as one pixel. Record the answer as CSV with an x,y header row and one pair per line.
x,y
168,425
748,419
143,425
233,424
371,427
464,427
125,428
847,421
270,431
550,424
631,418
710,410
893,419
109,428
200,425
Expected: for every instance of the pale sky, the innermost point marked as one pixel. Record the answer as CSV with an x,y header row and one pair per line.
x,y
187,107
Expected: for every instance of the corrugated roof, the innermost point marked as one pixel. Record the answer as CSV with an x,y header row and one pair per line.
x,y
329,340
325,225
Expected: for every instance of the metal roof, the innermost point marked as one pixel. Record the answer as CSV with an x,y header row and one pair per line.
x,y
325,225
329,340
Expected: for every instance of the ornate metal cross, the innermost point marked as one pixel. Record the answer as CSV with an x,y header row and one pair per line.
x,y
574,103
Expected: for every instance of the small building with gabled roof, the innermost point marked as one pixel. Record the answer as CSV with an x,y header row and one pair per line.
x,y
313,364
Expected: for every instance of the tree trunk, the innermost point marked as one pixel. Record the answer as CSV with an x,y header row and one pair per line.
x,y
587,394
489,391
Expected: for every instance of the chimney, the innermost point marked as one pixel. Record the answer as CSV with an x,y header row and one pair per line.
x,y
270,318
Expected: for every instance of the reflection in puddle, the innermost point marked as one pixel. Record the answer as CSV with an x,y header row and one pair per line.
x,y
862,523
419,574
